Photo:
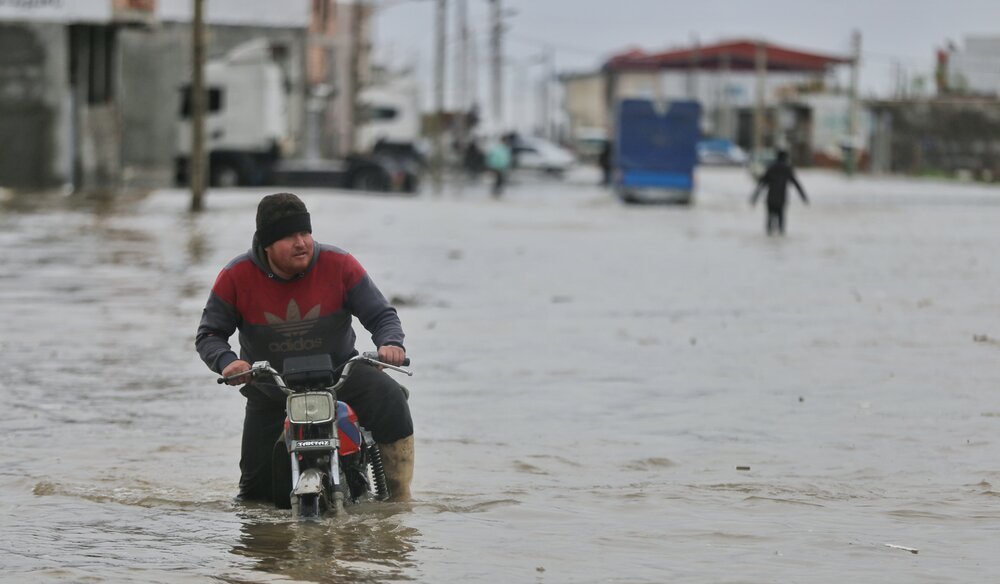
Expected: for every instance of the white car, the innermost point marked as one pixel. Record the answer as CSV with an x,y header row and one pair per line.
x,y
534,153
721,152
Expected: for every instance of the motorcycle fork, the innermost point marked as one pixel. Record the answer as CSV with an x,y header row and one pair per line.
x,y
338,495
299,434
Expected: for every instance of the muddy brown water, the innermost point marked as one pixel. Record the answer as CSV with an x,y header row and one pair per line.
x,y
602,393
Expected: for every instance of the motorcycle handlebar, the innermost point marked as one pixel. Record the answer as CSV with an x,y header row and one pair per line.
x,y
256,369
373,356
264,367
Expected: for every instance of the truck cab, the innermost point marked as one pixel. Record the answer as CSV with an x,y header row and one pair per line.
x,y
246,123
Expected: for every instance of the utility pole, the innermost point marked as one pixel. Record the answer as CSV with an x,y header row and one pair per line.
x,y
851,154
473,63
198,162
694,65
725,122
547,81
760,61
521,103
462,69
357,21
440,35
496,42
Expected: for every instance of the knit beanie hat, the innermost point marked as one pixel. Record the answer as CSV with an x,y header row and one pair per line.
x,y
280,215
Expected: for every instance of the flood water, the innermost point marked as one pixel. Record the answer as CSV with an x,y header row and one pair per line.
x,y
602,393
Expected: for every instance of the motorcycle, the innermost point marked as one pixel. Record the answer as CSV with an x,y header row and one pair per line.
x,y
324,459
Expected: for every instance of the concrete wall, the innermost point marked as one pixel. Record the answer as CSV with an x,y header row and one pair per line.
x,y
34,108
939,137
585,102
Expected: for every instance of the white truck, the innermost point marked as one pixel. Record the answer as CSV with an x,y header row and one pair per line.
x,y
390,114
248,135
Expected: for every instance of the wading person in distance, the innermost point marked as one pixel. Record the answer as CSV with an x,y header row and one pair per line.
x,y
289,296
776,179
498,160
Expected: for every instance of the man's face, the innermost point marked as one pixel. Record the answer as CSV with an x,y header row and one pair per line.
x,y
290,255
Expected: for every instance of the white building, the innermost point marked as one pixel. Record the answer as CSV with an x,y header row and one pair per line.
x,y
91,88
975,68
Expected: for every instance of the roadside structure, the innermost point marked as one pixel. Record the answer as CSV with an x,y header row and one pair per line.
x,y
790,96
92,89
946,136
59,90
972,69
951,131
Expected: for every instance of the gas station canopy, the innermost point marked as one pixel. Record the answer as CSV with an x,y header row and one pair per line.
x,y
735,56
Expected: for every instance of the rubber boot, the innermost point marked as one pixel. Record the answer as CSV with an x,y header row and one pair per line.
x,y
397,459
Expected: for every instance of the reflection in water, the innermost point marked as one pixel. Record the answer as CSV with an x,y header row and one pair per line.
x,y
368,546
197,246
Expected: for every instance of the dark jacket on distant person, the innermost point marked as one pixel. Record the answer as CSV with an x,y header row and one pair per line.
x,y
776,179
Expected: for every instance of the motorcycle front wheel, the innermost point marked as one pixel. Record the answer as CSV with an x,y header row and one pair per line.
x,y
307,506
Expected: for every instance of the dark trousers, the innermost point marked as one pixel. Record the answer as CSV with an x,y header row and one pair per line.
x,y
776,219
499,178
376,398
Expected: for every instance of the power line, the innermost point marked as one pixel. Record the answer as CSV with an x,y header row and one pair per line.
x,y
560,46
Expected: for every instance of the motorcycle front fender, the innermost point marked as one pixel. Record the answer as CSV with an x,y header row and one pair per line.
x,y
310,483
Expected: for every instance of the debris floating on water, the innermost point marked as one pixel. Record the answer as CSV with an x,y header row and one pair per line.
x,y
401,300
902,547
742,468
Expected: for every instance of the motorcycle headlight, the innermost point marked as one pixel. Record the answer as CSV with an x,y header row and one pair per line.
x,y
310,408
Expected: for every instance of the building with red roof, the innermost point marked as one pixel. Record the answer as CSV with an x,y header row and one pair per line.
x,y
739,55
805,107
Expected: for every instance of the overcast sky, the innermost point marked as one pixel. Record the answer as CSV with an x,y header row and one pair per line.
x,y
895,33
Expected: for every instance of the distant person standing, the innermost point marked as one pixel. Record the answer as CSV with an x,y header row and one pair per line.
x,y
604,160
472,159
776,179
498,160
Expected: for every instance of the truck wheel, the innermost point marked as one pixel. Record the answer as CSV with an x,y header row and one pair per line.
x,y
225,175
370,180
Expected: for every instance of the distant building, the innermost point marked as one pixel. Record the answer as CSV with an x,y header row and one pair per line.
x,y
972,69
952,133
91,89
585,102
59,86
802,110
943,136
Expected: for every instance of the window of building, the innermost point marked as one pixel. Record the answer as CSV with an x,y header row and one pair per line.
x,y
92,61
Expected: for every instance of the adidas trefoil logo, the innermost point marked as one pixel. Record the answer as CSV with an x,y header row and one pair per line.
x,y
294,324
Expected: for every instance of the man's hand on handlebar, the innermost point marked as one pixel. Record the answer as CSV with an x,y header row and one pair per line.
x,y
235,368
392,355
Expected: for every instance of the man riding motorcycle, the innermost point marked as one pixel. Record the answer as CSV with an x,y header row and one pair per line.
x,y
289,296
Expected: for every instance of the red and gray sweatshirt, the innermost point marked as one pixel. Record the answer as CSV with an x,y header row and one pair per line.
x,y
278,318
